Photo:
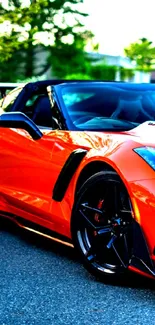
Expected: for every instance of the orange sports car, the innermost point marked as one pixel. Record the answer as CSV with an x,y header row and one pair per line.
x,y
78,166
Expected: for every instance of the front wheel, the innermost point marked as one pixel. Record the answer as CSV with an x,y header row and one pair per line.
x,y
102,225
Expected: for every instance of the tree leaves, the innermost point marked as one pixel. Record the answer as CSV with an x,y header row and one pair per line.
x,y
34,22
142,52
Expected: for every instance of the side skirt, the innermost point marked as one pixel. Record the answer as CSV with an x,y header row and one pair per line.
x,y
37,229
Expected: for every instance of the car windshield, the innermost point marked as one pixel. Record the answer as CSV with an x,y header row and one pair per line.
x,y
108,106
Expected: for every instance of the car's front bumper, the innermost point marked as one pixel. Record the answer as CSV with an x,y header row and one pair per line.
x,y
143,203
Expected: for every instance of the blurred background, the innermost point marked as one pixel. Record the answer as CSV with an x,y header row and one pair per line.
x,y
77,39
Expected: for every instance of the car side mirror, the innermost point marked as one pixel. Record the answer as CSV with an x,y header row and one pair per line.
x,y
18,120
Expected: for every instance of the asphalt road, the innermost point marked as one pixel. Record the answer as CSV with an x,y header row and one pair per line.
x,y
43,283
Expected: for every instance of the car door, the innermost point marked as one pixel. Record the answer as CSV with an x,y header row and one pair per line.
x,y
25,174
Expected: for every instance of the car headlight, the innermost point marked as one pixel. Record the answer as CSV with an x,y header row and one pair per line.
x,y
148,154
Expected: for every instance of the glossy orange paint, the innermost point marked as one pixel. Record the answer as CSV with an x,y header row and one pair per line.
x,y
29,170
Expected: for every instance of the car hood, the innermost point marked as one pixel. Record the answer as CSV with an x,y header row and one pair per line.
x,y
144,134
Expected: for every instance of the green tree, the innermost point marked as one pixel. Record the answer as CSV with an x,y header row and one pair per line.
x,y
143,53
102,71
35,26
67,59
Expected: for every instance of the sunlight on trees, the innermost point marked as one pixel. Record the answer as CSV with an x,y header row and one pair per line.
x,y
39,26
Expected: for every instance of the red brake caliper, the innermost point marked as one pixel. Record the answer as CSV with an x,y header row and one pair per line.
x,y
99,206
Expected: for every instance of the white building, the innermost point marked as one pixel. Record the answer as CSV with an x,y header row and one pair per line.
x,y
121,61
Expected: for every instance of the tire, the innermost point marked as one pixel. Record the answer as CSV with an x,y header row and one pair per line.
x,y
102,226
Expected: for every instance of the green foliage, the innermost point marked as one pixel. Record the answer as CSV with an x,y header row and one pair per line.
x,y
126,74
66,59
30,26
103,72
143,53
77,76
10,71
95,72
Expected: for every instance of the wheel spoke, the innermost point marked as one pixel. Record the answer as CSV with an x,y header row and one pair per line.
x,y
116,200
104,230
118,255
90,256
87,207
126,249
111,241
112,200
128,212
87,220
125,215
107,199
100,230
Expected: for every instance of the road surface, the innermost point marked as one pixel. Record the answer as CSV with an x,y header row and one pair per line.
x,y
44,283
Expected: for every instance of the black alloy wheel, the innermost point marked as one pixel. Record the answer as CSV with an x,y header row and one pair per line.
x,y
102,225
